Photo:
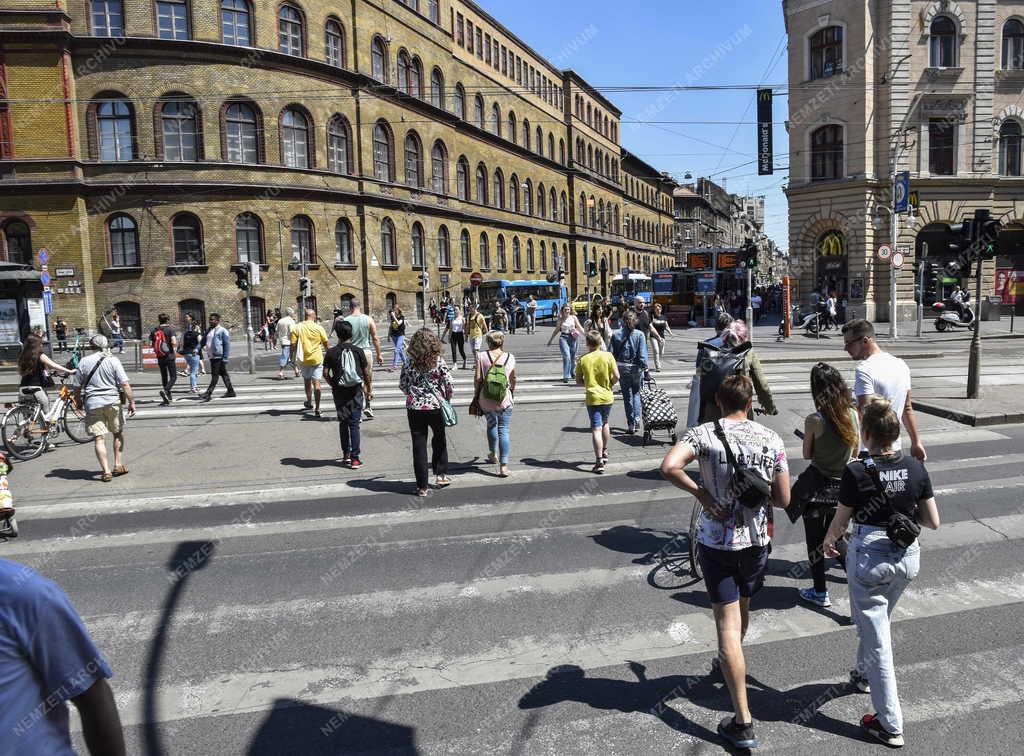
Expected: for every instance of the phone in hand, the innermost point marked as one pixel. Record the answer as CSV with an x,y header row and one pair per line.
x,y
799,434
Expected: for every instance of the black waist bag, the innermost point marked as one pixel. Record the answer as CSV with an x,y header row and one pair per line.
x,y
901,529
751,490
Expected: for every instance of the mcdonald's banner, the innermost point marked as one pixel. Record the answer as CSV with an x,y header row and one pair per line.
x,y
765,156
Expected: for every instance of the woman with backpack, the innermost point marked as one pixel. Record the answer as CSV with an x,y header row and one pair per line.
x,y
568,329
831,440
190,342
733,354
884,555
427,384
495,384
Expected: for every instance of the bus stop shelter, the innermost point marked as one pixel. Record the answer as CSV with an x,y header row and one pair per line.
x,y
21,307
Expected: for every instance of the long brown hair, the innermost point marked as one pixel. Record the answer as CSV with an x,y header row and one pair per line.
x,y
833,400
423,349
29,357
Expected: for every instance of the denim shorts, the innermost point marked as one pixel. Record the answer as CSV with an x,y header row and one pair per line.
x,y
728,575
599,414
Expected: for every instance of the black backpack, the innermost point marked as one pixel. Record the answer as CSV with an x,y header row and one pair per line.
x,y
715,364
190,340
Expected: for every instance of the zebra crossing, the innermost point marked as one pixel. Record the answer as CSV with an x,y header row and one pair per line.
x,y
514,619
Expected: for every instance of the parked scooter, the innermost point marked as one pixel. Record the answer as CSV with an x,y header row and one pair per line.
x,y
812,321
950,319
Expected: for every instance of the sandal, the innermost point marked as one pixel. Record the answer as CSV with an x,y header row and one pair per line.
x,y
492,459
598,467
106,477
443,481
422,492
503,472
120,470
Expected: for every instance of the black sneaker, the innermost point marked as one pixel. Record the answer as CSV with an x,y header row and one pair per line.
x,y
739,736
165,397
230,395
870,724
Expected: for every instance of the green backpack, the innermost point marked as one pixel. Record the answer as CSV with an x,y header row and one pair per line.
x,y
496,381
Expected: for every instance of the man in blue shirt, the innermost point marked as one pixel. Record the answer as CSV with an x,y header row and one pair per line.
x,y
629,347
47,659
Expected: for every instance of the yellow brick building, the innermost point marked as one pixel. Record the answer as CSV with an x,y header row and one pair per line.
x,y
152,146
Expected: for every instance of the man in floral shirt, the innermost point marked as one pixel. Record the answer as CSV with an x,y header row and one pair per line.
x,y
733,540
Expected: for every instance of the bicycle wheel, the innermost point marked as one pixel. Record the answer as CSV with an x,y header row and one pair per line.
x,y
73,421
692,541
22,431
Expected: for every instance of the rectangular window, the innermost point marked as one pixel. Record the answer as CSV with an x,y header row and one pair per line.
x,y
487,48
494,54
504,60
248,244
942,147
479,43
172,19
519,70
469,35
460,31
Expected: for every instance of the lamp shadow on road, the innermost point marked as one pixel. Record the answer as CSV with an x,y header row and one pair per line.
x,y
629,539
306,463
300,728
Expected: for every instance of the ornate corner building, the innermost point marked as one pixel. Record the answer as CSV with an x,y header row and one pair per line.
x,y
151,145
877,88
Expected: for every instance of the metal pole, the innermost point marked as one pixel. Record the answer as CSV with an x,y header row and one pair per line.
x,y
895,225
714,273
750,307
920,287
249,335
304,273
974,364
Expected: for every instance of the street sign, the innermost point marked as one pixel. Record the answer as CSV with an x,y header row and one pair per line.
x,y
44,256
65,271
444,278
476,279
902,189
48,302
884,252
897,260
765,153
727,260
44,277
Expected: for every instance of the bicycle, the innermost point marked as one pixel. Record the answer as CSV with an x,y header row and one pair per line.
x,y
26,431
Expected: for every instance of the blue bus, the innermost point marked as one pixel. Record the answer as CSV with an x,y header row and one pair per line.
x,y
549,296
627,289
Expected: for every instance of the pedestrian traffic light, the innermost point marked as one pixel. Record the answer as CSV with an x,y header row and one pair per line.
x,y
749,251
591,269
988,236
305,287
242,277
424,279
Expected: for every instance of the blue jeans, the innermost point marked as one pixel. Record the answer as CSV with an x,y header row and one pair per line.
x,y
878,573
192,360
399,358
630,380
498,424
286,352
349,415
118,342
567,345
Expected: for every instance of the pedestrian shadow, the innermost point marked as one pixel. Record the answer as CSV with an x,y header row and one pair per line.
x,y
777,597
282,412
300,728
575,429
380,484
645,474
650,543
558,464
306,463
65,473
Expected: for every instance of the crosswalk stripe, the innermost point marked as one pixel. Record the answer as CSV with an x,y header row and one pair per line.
x,y
523,657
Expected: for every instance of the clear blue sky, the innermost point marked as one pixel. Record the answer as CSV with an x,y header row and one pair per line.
x,y
692,42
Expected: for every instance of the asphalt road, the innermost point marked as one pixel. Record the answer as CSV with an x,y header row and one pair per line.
x,y
252,597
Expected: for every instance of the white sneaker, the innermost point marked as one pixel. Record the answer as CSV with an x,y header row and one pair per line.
x,y
368,413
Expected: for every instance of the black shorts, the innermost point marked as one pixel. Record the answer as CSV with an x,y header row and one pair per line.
x,y
729,575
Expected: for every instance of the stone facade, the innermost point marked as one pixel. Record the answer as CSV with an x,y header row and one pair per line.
x,y
878,88
122,154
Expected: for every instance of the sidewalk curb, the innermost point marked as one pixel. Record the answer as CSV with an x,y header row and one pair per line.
x,y
969,418
910,356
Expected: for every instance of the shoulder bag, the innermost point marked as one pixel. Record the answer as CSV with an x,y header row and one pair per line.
x,y
751,490
901,529
451,417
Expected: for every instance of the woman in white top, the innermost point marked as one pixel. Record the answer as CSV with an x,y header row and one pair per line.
x,y
497,411
457,328
568,329
598,322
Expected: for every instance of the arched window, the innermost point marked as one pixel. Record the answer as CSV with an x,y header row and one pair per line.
x,y
235,22
343,252
107,17
561,151
526,133
540,141
564,207
338,153
601,221
553,203
528,197
541,202
513,193
439,168
551,146
187,240
1010,148
115,129
413,160
496,119
131,319
289,31
179,125
1013,45
543,258
478,111
484,253
241,134
502,262
334,43
415,82
387,243
379,59
302,239
529,256
517,258
123,234
826,52
498,188
481,184
512,127
827,153
462,178
437,88
444,250
403,71
590,157
172,19
592,212
296,145
418,258
248,239
382,152
607,166
581,214
390,301
460,102
465,251
943,43
615,220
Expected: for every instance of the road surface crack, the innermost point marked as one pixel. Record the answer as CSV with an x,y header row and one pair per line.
x,y
984,524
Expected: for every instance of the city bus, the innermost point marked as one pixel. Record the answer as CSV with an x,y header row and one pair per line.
x,y
627,289
549,296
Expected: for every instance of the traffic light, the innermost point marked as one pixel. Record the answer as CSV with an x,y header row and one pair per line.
x,y
305,287
988,236
591,269
749,250
932,283
561,275
242,277
424,279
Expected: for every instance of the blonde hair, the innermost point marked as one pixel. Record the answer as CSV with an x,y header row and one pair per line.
x,y
495,339
879,422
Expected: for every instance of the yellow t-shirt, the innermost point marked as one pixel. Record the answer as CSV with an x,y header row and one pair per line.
x,y
598,371
476,326
313,338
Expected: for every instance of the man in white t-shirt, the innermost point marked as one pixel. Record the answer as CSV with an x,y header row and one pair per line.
x,y
884,374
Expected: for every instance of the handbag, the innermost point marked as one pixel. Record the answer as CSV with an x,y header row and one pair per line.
x,y
448,413
751,490
809,482
901,529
